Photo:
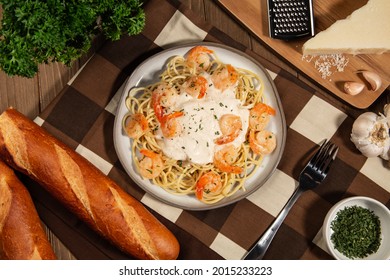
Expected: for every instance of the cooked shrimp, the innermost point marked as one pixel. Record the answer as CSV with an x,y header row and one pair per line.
x,y
230,126
224,77
209,182
259,116
224,159
199,57
262,142
151,165
163,97
196,86
136,125
170,126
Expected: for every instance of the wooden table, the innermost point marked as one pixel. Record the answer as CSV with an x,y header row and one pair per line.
x,y
31,96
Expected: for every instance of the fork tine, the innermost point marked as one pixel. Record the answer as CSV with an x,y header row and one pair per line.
x,y
324,157
324,146
330,158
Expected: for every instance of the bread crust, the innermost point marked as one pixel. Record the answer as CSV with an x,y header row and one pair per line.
x,y
83,189
22,236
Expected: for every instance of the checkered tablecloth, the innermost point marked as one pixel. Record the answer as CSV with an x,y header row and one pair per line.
x,y
83,116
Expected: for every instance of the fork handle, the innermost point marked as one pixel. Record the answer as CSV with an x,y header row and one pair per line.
x,y
258,250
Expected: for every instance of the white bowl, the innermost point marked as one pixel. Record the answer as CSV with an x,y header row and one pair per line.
x,y
383,213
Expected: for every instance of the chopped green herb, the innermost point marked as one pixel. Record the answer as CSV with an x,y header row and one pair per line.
x,y
356,232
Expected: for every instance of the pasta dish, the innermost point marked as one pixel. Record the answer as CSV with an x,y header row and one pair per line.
x,y
201,129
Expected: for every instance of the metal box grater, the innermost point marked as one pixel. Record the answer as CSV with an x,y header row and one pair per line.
x,y
289,19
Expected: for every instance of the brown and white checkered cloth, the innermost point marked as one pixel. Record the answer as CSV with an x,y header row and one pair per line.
x,y
83,116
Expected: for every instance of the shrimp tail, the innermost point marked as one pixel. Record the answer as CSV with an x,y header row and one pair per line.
x,y
208,182
200,185
228,168
197,50
224,139
174,115
264,108
158,109
148,153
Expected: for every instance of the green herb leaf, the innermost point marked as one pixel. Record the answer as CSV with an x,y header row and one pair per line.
x,y
36,31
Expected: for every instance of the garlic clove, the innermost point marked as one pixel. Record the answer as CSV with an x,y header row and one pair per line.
x,y
373,79
364,124
353,88
370,150
386,150
386,154
386,111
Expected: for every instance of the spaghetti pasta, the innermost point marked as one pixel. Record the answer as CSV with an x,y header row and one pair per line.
x,y
197,139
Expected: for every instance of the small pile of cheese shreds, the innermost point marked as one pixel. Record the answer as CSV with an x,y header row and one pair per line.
x,y
327,64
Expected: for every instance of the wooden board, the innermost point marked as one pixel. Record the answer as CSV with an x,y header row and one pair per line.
x,y
253,15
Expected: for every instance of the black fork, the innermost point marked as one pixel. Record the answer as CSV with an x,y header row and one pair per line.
x,y
311,176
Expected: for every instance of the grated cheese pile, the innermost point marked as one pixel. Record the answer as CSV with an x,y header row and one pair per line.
x,y
327,64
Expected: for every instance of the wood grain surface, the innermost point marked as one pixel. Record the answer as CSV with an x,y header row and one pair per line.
x,y
31,96
253,15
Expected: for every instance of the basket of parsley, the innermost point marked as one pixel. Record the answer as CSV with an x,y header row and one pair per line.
x,y
36,31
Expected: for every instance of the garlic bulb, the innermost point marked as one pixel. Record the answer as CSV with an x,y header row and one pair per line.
x,y
370,134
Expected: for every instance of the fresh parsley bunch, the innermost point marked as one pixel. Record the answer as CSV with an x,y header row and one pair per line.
x,y
39,31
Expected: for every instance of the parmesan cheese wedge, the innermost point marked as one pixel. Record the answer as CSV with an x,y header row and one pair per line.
x,y
365,31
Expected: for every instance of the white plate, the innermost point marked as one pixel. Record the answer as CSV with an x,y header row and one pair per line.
x,y
148,72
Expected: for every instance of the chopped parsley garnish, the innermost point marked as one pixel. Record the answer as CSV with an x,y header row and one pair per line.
x,y
356,232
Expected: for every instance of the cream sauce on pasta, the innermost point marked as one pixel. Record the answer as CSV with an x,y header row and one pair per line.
x,y
200,125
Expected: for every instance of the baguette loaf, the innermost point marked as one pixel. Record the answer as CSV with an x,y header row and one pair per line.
x,y
21,234
83,189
